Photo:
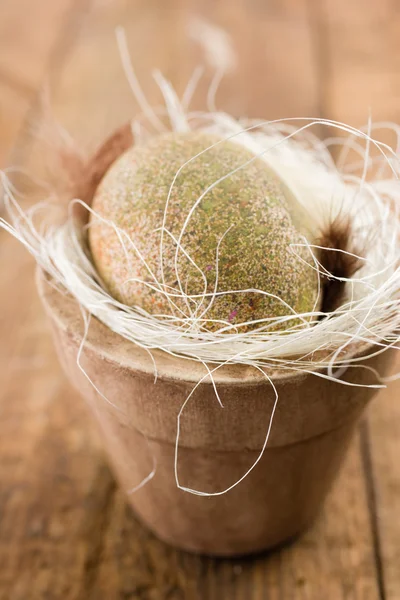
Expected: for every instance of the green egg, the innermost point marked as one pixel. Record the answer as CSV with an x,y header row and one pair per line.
x,y
249,217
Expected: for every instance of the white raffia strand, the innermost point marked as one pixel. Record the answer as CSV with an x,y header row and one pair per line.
x,y
310,342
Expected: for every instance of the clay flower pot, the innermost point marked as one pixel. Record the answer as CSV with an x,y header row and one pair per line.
x,y
312,427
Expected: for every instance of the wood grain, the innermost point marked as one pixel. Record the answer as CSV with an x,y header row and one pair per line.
x,y
359,43
30,31
14,105
383,436
65,530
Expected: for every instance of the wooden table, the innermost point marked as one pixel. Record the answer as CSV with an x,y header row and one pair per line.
x,y
65,529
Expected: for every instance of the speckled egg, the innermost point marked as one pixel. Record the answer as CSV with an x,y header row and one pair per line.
x,y
227,223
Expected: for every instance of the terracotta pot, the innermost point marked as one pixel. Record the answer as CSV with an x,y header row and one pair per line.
x,y
311,431
312,427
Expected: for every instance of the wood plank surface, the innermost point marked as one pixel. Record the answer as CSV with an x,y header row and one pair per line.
x,y
14,105
66,531
384,439
30,31
359,62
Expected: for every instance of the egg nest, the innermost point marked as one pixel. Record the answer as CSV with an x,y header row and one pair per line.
x,y
365,190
